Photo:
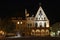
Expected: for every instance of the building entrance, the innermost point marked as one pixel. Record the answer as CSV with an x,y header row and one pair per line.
x,y
38,32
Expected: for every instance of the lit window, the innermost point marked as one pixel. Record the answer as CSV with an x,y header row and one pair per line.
x,y
47,32
21,22
42,30
37,30
43,24
33,30
47,25
18,22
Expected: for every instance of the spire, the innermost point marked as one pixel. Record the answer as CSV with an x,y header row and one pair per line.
x,y
40,13
39,4
26,13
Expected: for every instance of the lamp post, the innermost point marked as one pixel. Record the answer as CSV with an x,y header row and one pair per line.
x,y
18,22
17,27
21,26
21,22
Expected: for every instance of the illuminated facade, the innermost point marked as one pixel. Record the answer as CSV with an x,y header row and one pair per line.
x,y
37,25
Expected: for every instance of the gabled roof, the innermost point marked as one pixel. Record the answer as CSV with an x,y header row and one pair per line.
x,y
41,12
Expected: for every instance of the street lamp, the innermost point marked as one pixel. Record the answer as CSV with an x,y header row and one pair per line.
x,y
17,26
18,22
21,22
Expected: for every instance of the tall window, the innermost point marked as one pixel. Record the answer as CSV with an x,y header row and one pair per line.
x,y
39,18
42,32
36,25
40,24
45,24
29,25
44,18
47,32
40,13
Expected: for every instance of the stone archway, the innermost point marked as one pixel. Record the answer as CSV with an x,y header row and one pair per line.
x,y
47,32
42,32
33,32
37,33
36,25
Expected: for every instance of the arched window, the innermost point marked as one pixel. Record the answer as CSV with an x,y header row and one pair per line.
x,y
39,18
37,30
47,32
36,25
42,32
33,32
30,25
40,13
40,24
27,25
44,18
45,24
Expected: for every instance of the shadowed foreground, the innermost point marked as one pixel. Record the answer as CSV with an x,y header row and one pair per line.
x,y
34,38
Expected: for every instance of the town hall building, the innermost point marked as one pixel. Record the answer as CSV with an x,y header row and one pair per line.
x,y
37,25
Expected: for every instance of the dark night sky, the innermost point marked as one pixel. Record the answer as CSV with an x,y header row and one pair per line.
x,y
16,8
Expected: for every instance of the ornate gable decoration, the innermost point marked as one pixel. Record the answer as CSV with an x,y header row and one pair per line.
x,y
40,14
